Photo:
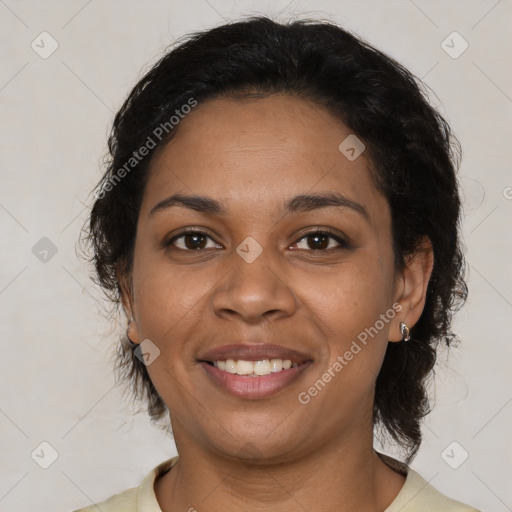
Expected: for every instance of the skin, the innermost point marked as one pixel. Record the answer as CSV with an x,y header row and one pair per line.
x,y
272,453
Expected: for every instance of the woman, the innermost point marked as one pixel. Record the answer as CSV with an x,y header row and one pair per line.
x,y
280,222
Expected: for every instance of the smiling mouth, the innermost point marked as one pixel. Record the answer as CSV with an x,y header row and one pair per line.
x,y
257,368
253,371
254,379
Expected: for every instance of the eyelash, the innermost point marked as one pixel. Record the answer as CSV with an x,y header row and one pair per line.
x,y
343,244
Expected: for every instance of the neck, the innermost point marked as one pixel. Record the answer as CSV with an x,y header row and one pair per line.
x,y
345,476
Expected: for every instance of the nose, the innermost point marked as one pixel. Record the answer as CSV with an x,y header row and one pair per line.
x,y
254,292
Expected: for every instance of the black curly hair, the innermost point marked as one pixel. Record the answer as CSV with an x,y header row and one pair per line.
x,y
413,156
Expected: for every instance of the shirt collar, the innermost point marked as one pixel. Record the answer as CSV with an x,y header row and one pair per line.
x,y
146,497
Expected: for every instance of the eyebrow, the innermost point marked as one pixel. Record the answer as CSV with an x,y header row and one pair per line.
x,y
298,204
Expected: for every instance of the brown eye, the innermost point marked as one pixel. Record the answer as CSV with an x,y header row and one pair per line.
x,y
190,241
322,241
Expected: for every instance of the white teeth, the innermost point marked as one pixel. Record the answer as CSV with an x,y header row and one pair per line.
x,y
244,367
254,368
262,367
276,365
231,366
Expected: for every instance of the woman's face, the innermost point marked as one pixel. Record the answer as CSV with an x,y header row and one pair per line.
x,y
257,275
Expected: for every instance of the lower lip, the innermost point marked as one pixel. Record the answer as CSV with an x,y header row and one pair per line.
x,y
254,387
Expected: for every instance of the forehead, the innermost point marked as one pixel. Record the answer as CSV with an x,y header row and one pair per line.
x,y
253,153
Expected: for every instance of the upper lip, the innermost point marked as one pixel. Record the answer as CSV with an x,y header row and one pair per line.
x,y
252,352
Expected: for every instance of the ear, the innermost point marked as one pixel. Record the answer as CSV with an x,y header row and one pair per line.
x,y
126,287
411,288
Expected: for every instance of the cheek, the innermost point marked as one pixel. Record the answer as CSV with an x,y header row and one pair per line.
x,y
164,292
171,304
355,309
355,295
344,383
167,304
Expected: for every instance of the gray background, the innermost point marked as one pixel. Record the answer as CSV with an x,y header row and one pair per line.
x,y
57,381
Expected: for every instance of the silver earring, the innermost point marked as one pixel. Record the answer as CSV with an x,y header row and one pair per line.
x,y
406,336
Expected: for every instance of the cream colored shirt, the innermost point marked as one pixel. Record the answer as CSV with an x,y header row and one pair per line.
x,y
417,495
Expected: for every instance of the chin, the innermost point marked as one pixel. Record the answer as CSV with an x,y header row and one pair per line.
x,y
258,445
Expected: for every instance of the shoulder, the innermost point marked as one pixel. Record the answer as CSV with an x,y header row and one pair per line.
x,y
125,501
417,495
135,499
